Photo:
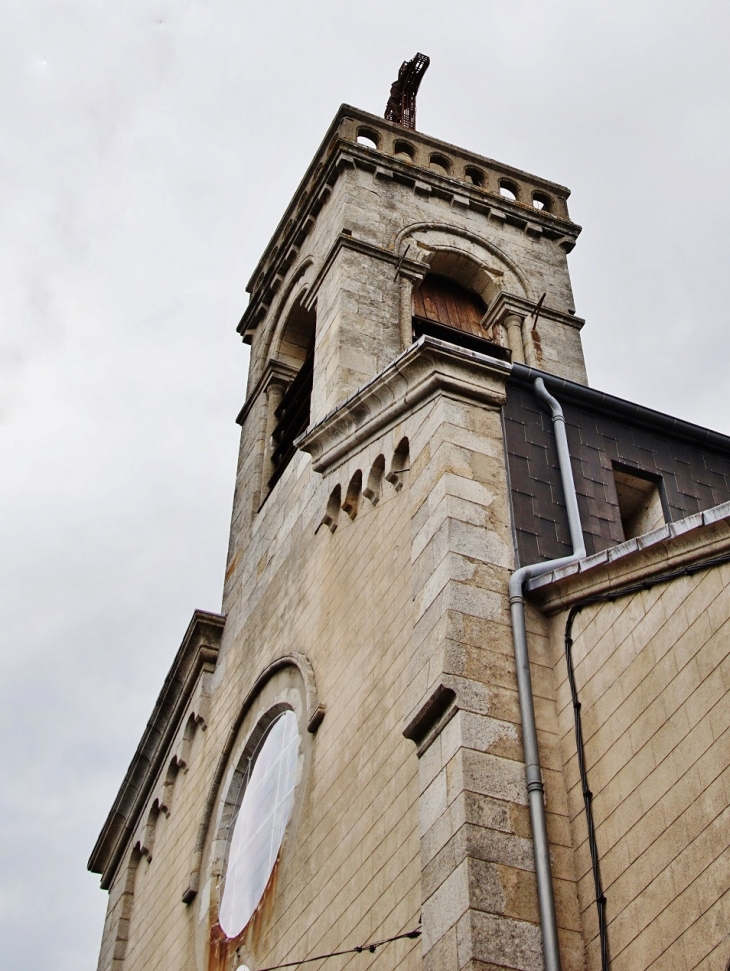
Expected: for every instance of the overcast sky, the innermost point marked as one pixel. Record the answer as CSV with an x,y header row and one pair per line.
x,y
148,149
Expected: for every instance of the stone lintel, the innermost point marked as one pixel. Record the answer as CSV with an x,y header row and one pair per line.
x,y
428,368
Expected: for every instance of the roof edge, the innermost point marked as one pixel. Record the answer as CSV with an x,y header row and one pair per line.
x,y
607,403
682,544
199,647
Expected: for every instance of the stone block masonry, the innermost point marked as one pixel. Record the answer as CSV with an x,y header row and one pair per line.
x,y
366,589
376,523
652,677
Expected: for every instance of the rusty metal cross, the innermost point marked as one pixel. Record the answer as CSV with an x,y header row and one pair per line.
x,y
401,106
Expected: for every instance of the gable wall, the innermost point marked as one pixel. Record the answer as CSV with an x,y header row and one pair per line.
x,y
653,673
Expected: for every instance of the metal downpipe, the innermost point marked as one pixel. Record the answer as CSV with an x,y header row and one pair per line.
x,y
535,787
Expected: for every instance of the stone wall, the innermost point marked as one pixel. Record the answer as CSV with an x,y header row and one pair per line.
x,y
478,881
461,707
653,672
350,871
397,601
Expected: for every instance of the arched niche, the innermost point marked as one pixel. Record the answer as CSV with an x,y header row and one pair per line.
x,y
294,340
289,670
268,336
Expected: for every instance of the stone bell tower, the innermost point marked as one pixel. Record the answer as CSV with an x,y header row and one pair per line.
x,y
380,210
366,589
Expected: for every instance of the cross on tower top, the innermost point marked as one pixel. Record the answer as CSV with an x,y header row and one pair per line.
x,y
401,106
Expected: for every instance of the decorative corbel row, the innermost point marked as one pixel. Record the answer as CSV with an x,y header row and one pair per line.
x,y
425,369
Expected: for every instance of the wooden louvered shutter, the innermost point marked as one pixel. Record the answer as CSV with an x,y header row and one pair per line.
x,y
444,302
292,417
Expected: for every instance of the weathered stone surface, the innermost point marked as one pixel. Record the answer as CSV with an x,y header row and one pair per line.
x,y
649,671
367,590
390,593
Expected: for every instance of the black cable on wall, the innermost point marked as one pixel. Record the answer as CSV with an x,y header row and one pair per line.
x,y
585,787
587,794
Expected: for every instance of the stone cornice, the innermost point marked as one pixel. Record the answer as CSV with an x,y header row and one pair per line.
x,y
274,371
674,546
197,653
427,368
345,240
608,404
511,303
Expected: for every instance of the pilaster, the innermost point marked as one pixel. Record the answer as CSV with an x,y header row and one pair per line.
x,y
478,888
357,298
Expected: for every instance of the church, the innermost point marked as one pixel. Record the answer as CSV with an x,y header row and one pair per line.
x,y
465,706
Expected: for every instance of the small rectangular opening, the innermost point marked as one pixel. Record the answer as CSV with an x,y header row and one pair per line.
x,y
641,500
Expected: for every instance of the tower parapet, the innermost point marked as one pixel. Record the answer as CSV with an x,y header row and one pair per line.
x,y
404,200
388,229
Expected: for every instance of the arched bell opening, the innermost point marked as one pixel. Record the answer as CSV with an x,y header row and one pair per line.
x,y
291,401
450,311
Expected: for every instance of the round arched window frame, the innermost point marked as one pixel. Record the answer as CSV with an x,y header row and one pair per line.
x,y
268,781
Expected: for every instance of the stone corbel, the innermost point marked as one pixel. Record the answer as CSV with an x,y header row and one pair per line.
x,y
444,700
200,705
427,723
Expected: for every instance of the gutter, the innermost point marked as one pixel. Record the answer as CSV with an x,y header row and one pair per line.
x,y
535,786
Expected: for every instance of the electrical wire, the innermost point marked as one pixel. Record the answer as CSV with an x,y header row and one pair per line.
x,y
587,794
353,950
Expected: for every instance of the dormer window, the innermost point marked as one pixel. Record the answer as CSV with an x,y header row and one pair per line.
x,y
642,502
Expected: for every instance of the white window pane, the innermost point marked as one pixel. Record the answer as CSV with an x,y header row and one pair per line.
x,y
259,826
